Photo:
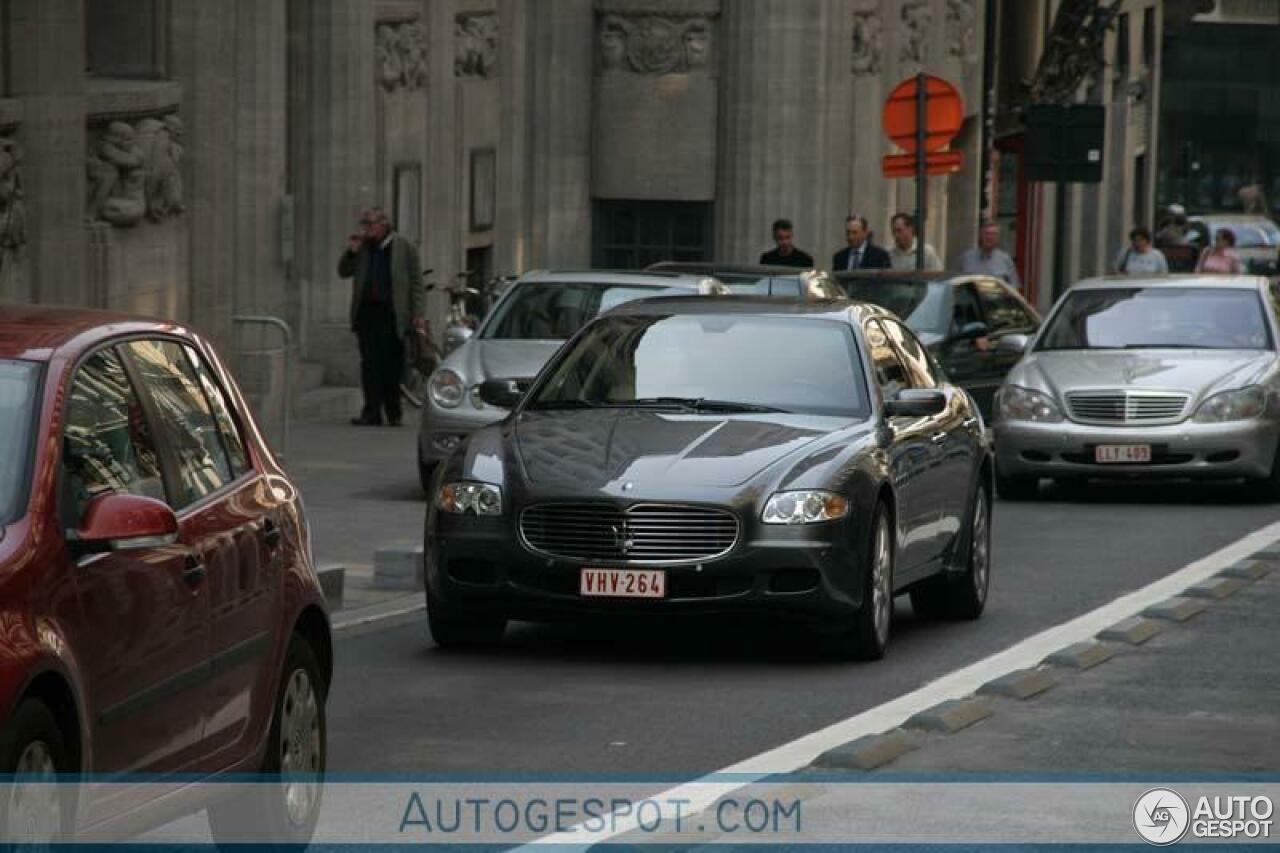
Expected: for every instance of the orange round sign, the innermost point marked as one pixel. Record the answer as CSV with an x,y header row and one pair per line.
x,y
944,113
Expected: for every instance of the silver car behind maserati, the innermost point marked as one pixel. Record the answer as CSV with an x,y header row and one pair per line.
x,y
1173,377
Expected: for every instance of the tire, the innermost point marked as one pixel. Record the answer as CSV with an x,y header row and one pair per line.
x,y
962,595
283,810
1017,488
868,637
34,747
452,628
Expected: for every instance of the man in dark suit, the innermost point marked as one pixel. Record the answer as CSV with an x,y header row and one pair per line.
x,y
786,254
861,253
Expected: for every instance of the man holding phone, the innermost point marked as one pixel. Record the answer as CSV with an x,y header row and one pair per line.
x,y
387,302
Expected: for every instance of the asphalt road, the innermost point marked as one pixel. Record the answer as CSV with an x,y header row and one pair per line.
x,y
676,701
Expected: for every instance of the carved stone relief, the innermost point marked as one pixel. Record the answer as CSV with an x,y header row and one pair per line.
x,y
868,36
13,206
400,55
962,33
917,17
133,171
653,44
476,45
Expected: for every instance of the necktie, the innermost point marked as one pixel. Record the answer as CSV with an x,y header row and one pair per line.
x,y
855,259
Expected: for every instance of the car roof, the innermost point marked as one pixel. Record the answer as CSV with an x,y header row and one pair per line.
x,y
655,279
922,276
1232,282
766,306
36,332
708,268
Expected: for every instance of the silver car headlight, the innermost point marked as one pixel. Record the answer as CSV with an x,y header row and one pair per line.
x,y
447,389
1238,405
1015,403
469,498
805,507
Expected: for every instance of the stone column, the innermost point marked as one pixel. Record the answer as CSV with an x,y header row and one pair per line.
x,y
511,243
560,39
785,123
46,41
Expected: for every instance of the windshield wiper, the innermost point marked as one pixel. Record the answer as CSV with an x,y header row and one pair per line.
x,y
563,405
698,404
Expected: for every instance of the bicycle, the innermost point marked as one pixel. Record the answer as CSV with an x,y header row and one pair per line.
x,y
423,357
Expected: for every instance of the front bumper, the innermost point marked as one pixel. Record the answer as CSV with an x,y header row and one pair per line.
x,y
1185,450
810,573
441,431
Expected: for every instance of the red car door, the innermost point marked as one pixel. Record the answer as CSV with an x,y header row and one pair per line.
x,y
226,514
143,638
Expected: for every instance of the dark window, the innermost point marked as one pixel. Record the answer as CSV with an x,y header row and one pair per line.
x,y
1122,42
919,365
554,311
966,309
124,38
107,442
220,403
189,428
634,234
1140,188
1003,312
890,368
1149,37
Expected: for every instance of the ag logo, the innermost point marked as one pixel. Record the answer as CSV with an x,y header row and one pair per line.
x,y
1161,816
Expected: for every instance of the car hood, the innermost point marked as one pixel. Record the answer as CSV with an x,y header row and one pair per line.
x,y
1196,372
600,449
483,358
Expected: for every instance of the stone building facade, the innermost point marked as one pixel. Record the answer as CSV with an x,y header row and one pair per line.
x,y
201,159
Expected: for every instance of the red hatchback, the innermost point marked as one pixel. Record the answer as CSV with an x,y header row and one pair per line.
x,y
159,611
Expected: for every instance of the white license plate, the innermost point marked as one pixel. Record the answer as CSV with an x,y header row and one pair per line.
x,y
623,583
1121,453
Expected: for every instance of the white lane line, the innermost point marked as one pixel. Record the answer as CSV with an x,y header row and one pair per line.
x,y
348,624
703,793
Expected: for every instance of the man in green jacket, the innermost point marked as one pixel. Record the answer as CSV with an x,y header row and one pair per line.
x,y
387,301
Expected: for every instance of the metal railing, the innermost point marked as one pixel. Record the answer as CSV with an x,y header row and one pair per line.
x,y
286,352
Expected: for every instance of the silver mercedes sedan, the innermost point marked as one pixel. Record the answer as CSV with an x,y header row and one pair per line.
x,y
1173,377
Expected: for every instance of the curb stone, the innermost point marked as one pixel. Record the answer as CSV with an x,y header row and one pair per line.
x,y
1135,630
1083,655
1214,588
951,716
1250,570
1020,684
1176,609
869,751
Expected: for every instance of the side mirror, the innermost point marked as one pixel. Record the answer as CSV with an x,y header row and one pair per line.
x,y
118,522
456,336
503,393
1013,343
916,403
972,331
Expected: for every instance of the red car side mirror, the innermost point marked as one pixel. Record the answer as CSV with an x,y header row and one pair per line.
x,y
119,522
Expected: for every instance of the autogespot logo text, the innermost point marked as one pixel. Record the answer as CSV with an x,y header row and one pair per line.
x,y
1161,816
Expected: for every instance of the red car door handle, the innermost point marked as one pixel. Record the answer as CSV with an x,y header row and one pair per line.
x,y
194,573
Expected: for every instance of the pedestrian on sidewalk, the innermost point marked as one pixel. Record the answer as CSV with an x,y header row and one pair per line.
x,y
1221,257
861,253
387,302
902,255
785,253
1140,257
987,258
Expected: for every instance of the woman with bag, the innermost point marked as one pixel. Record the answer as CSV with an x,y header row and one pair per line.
x,y
1221,256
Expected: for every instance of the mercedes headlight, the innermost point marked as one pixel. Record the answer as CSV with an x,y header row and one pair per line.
x,y
469,498
447,389
1238,405
805,507
1015,403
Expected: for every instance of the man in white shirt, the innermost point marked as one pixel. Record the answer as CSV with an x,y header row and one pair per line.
x,y
903,252
1140,257
987,258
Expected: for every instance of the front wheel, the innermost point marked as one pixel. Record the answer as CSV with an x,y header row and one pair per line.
x,y
283,806
962,595
32,755
868,637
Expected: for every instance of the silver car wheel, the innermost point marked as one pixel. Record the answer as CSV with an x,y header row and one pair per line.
x,y
300,748
33,807
882,581
980,547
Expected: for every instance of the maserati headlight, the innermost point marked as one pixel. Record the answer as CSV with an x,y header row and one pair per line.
x,y
805,507
447,389
469,498
1238,405
1016,403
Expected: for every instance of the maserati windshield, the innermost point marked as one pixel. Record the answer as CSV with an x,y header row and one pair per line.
x,y
710,363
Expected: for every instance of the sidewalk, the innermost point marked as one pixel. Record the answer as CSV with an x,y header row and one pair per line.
x,y
360,489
